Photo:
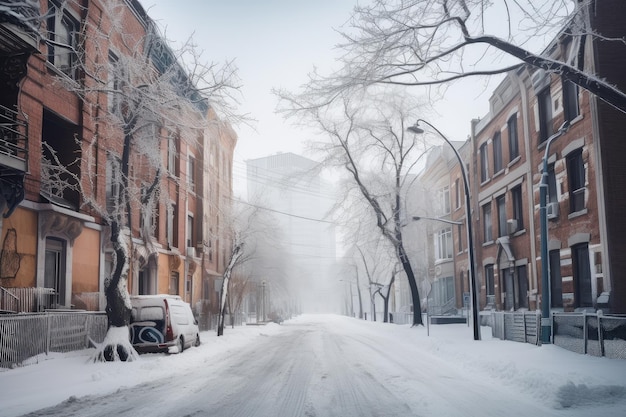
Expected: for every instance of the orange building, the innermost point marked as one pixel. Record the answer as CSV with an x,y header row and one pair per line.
x,y
55,248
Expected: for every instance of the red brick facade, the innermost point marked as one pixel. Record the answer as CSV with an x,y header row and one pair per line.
x,y
178,256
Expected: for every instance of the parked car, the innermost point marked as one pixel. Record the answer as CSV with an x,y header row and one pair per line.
x,y
162,323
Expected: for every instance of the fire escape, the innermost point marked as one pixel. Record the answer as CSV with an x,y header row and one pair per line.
x,y
19,36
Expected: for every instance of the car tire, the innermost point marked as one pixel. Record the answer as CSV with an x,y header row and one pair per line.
x,y
197,342
181,344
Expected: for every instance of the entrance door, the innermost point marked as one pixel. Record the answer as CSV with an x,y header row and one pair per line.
x,y
509,288
54,269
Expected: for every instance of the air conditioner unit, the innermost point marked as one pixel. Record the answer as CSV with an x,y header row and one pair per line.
x,y
552,210
511,226
191,251
540,80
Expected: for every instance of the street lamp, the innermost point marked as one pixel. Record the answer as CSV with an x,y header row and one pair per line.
x,y
439,219
468,218
543,221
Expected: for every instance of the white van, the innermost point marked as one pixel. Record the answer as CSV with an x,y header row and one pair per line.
x,y
162,323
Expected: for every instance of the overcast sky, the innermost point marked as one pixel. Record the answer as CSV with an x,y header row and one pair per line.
x,y
276,43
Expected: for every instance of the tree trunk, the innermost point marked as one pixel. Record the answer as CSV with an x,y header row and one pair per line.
x,y
408,270
386,299
358,290
116,345
237,251
118,307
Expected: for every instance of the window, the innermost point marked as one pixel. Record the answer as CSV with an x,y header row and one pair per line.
x,y
501,206
518,206
60,150
443,291
210,248
497,153
552,193
172,225
487,228
443,244
188,288
191,172
489,280
190,231
457,193
113,183
582,276
556,284
484,163
113,84
576,177
63,33
147,217
513,139
544,104
570,100
54,269
172,153
444,198
460,235
174,283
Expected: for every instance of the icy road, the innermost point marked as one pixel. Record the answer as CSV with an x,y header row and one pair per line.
x,y
338,366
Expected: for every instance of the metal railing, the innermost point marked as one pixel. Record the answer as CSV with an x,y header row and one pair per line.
x,y
13,139
9,303
26,300
23,336
590,333
441,309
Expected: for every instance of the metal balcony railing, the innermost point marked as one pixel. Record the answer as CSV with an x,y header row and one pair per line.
x,y
13,140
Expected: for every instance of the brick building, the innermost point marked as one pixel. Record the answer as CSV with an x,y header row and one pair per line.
x,y
585,181
56,250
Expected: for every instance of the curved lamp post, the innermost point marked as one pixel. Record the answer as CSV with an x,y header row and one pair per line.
x,y
468,220
546,297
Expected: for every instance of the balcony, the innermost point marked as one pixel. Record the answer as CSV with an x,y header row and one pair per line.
x,y
19,28
13,141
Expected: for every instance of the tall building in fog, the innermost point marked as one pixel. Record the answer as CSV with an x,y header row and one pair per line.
x,y
290,187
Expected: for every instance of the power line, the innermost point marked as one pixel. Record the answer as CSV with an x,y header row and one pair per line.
x,y
282,212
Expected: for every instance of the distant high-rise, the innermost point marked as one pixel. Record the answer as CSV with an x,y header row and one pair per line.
x,y
290,186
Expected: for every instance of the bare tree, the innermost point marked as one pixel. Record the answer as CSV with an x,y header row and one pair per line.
x,y
249,226
434,42
367,136
139,91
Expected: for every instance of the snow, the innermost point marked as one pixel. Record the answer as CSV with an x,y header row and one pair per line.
x,y
450,366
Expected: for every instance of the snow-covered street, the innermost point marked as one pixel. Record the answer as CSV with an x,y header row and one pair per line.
x,y
326,365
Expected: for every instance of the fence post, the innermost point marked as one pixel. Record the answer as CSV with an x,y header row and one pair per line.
x,y
525,334
600,332
585,338
48,336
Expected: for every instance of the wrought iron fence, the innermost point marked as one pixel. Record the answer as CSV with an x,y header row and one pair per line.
x,y
25,335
